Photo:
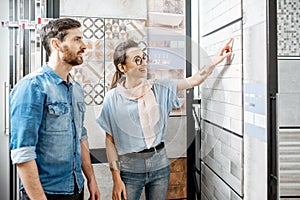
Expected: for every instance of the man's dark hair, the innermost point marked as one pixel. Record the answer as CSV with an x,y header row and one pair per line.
x,y
57,28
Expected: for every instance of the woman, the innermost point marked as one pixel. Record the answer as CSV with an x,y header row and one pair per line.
x,y
134,116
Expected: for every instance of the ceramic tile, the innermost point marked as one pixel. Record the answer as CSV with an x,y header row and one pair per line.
x,y
288,27
117,30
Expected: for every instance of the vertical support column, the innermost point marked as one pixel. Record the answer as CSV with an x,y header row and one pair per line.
x,y
190,119
272,90
26,40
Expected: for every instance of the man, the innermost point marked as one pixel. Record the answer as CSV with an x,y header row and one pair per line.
x,y
48,139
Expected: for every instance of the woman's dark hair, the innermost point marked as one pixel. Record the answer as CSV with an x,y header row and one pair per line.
x,y
120,57
57,29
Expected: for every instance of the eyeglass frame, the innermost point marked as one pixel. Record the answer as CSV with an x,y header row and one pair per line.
x,y
140,61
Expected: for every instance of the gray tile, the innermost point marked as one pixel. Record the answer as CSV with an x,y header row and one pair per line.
x,y
289,109
220,13
213,188
288,76
236,170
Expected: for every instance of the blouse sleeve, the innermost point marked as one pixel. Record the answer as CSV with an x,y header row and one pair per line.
x,y
104,118
167,93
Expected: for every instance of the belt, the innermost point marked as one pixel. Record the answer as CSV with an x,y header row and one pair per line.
x,y
152,149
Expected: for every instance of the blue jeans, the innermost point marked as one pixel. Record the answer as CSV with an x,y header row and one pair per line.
x,y
155,182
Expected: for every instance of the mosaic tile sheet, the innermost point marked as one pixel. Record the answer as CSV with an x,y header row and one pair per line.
x,y
101,37
288,16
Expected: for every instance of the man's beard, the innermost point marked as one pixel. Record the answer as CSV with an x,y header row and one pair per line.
x,y
74,62
71,58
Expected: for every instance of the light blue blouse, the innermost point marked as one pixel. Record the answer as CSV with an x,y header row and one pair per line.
x,y
119,116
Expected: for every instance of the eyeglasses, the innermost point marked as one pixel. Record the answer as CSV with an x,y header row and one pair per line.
x,y
138,59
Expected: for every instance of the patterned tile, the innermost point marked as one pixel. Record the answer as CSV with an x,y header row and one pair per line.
x,y
288,27
110,45
93,28
136,30
93,93
95,50
101,37
92,81
91,73
109,73
117,30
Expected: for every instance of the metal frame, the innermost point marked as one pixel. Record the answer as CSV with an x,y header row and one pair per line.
x,y
26,40
272,90
191,190
197,162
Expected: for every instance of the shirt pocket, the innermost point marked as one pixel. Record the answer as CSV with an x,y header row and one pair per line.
x,y
57,117
81,106
81,109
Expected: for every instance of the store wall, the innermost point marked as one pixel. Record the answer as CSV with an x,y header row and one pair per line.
x,y
133,9
221,103
233,101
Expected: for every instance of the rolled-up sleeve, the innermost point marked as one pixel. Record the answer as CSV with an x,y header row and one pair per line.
x,y
26,110
84,135
166,90
23,154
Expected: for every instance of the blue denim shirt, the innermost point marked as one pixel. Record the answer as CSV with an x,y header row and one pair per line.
x,y
47,116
